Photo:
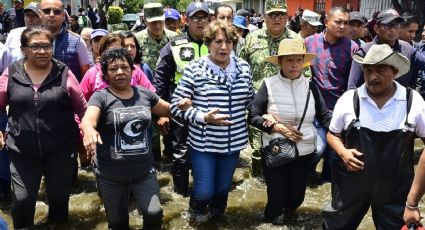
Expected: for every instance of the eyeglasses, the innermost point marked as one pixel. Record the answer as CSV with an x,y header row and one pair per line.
x,y
199,19
36,48
277,15
55,11
124,68
390,26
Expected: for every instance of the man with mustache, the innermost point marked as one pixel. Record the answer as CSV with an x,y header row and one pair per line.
x,y
372,131
259,45
330,67
387,28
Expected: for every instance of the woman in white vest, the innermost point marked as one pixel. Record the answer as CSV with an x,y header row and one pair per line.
x,y
277,111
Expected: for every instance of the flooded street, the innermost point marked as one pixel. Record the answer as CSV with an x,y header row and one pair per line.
x,y
245,206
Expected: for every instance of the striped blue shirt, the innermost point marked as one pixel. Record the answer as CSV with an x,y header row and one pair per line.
x,y
207,90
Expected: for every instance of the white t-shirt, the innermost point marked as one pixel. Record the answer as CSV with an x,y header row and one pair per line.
x,y
390,117
13,41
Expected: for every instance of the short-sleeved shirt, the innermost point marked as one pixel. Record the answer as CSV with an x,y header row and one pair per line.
x,y
123,124
331,67
391,116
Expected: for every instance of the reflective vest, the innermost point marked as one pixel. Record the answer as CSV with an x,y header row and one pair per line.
x,y
184,52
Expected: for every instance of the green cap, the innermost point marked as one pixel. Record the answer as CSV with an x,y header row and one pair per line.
x,y
154,12
275,6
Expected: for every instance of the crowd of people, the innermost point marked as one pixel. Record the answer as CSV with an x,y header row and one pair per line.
x,y
335,86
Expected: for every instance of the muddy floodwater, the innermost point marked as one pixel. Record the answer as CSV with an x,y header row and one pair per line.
x,y
246,203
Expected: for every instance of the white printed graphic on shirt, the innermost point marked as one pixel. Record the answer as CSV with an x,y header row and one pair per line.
x,y
131,126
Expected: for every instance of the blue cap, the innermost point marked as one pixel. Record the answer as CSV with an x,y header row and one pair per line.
x,y
195,7
172,13
98,32
240,21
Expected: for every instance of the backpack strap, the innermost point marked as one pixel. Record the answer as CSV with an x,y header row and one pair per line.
x,y
409,98
356,103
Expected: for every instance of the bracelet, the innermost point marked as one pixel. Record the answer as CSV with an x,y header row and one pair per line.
x,y
412,207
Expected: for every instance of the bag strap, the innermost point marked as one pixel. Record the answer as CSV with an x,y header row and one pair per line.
x,y
306,106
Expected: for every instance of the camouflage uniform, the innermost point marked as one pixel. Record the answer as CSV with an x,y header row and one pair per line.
x,y
150,47
258,46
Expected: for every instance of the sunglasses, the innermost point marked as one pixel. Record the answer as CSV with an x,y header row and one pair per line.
x,y
55,11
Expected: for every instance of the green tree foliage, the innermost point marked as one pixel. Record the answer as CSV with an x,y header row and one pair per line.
x,y
133,6
170,3
182,5
115,14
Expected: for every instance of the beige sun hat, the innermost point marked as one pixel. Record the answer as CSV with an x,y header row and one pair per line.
x,y
384,55
292,47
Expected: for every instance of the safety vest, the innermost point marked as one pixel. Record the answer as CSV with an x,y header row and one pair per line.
x,y
185,52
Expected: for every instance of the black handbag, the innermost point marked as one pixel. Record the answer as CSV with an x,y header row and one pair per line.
x,y
280,150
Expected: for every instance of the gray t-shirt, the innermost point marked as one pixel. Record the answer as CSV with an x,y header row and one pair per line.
x,y
123,126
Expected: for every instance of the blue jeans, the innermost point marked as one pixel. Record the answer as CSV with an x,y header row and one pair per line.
x,y
321,145
212,176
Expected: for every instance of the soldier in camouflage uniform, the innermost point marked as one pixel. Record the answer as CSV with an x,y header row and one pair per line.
x,y
261,44
155,36
151,41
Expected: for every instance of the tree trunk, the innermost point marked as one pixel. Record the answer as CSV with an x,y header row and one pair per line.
x,y
103,9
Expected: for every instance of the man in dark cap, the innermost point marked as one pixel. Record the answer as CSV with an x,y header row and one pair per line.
x,y
17,14
357,25
173,59
387,29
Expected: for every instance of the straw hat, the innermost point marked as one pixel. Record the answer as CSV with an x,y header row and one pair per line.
x,y
291,47
384,55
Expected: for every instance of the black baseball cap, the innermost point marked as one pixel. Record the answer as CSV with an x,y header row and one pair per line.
x,y
357,16
387,16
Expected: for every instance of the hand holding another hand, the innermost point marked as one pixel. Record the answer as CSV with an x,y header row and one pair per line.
x,y
184,104
269,120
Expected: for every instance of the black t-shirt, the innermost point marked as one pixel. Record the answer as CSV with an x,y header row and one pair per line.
x,y
123,124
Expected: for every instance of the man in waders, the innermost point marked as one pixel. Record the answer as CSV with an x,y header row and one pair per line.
x,y
372,131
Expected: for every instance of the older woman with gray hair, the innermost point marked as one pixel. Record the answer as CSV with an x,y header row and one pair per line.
x,y
220,87
372,131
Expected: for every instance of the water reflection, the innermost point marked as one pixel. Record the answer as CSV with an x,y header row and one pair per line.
x,y
245,207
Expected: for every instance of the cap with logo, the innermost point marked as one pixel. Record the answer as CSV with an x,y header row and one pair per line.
x,y
19,1
387,16
172,14
357,16
98,33
195,7
275,6
311,17
154,12
34,7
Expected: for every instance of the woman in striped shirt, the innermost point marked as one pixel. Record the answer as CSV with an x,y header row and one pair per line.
x,y
220,87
